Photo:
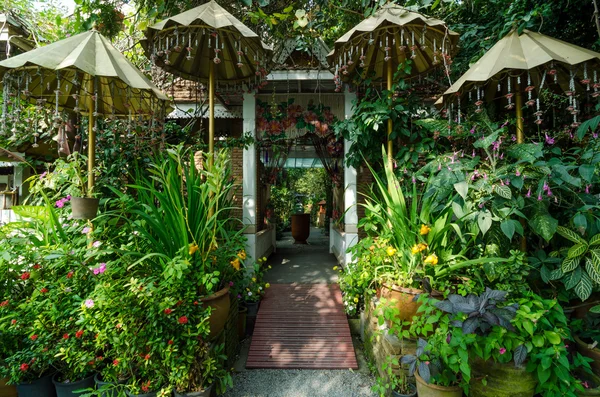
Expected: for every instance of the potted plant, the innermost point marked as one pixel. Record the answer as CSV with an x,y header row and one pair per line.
x,y
587,337
300,225
394,381
205,373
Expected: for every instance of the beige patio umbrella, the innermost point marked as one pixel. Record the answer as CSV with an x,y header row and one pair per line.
x,y
524,63
208,44
85,74
379,44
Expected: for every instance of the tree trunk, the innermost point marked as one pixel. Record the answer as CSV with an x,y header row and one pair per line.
x,y
596,16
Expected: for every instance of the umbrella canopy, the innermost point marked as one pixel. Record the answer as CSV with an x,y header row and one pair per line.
x,y
530,60
83,73
186,44
63,74
393,34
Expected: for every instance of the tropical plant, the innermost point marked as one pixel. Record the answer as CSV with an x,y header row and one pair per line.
x,y
394,379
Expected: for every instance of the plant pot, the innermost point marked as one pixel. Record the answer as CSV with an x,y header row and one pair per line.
x,y
405,300
593,383
42,387
594,354
425,389
501,380
84,207
243,311
219,303
114,390
412,393
204,393
68,389
7,390
150,394
252,308
300,228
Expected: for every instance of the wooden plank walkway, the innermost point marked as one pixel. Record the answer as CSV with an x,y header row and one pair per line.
x,y
302,326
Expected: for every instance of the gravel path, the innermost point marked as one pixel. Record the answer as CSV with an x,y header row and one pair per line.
x,y
300,383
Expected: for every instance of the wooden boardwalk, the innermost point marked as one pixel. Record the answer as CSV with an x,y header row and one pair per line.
x,y
302,326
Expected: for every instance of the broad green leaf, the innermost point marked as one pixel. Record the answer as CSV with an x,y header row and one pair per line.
x,y
544,225
538,340
584,289
542,374
570,235
462,188
580,221
595,240
503,191
591,124
573,278
37,212
486,141
592,265
587,172
595,309
526,152
570,264
528,326
484,221
508,228
553,337
576,251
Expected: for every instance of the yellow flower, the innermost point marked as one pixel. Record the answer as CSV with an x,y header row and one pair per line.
x,y
235,263
254,279
335,268
424,230
415,249
264,259
355,300
193,248
390,251
432,259
242,254
269,267
267,285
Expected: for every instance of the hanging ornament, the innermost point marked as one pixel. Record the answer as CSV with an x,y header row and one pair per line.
x,y
575,111
479,101
387,50
413,47
529,89
177,46
586,80
509,96
538,114
362,58
189,47
596,85
402,43
435,52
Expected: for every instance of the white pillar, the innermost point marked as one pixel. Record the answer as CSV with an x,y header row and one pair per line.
x,y
350,188
249,166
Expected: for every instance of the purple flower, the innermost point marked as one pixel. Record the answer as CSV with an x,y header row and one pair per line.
x,y
473,153
595,135
43,175
86,230
546,187
96,271
414,180
472,131
549,140
549,192
528,193
505,124
102,268
507,182
587,189
96,244
502,350
448,338
231,283
517,173
89,303
513,138
239,296
68,198
496,145
540,197
59,204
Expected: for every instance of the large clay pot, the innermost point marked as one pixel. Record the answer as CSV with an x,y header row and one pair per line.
x,y
593,383
405,299
594,354
204,393
425,389
219,303
42,387
300,228
7,390
501,380
68,389
84,207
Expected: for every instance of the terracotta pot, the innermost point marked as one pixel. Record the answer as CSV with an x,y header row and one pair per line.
x,y
594,354
7,390
501,380
219,302
403,298
84,207
42,387
242,322
68,389
300,228
425,389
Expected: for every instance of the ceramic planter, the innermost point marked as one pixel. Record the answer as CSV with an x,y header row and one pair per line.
x,y
405,299
594,354
252,308
413,392
7,390
425,389
204,393
219,303
151,394
42,387
84,207
501,380
300,228
243,311
113,391
68,389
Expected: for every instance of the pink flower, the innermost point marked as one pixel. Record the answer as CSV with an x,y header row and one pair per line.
x,y
60,204
502,350
86,230
96,244
89,303
102,268
549,140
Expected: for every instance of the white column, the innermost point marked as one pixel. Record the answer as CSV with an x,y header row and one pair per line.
x,y
249,164
350,189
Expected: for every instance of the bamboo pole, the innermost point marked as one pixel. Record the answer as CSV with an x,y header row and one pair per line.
x,y
519,105
390,144
91,138
211,113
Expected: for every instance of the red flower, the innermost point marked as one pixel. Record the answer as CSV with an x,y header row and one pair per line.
x,y
79,333
24,367
195,303
44,290
33,337
115,362
25,276
99,358
183,320
36,266
70,275
147,356
168,311
146,387
13,321
66,336
170,342
4,303
179,303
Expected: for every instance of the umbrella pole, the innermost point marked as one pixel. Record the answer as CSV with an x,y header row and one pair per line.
x,y
211,112
390,144
91,140
519,106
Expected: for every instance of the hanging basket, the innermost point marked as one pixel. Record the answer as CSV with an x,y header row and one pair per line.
x,y
84,207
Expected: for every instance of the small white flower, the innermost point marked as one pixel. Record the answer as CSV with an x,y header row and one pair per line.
x,y
249,293
260,288
68,289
